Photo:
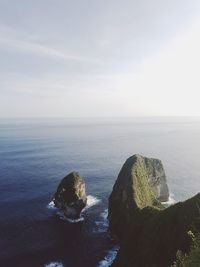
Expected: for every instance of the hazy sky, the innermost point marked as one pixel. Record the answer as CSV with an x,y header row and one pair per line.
x,y
99,58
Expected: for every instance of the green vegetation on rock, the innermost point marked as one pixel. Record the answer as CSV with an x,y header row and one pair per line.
x,y
191,259
149,234
131,193
142,192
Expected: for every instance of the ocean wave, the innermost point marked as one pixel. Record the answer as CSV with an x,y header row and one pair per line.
x,y
64,218
54,264
91,201
170,201
109,258
51,205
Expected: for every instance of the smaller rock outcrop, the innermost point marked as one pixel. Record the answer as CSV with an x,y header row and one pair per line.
x,y
70,196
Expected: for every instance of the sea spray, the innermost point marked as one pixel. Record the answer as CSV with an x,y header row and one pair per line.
x,y
91,201
54,264
170,201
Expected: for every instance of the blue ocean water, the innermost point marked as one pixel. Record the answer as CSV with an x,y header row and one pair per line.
x,y
36,154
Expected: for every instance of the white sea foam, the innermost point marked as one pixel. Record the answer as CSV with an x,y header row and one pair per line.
x,y
64,218
54,264
91,201
61,215
109,258
170,201
51,205
75,220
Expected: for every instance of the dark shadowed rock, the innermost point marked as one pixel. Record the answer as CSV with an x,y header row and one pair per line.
x,y
70,196
149,234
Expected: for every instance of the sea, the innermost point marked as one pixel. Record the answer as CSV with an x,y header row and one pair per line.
x,y
35,154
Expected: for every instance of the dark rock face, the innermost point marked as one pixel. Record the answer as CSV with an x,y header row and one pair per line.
x,y
70,195
149,234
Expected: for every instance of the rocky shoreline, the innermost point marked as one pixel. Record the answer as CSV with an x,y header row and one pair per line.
x,y
149,234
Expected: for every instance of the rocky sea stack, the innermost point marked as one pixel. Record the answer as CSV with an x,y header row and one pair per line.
x,y
140,183
70,196
149,234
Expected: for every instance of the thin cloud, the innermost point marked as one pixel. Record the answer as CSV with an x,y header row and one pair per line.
x,y
11,39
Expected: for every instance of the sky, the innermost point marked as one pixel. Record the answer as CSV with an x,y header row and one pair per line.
x,y
99,58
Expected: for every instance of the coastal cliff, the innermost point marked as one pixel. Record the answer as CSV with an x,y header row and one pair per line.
x,y
149,234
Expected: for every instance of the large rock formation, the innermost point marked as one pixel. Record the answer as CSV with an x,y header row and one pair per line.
x,y
149,234
70,196
141,183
